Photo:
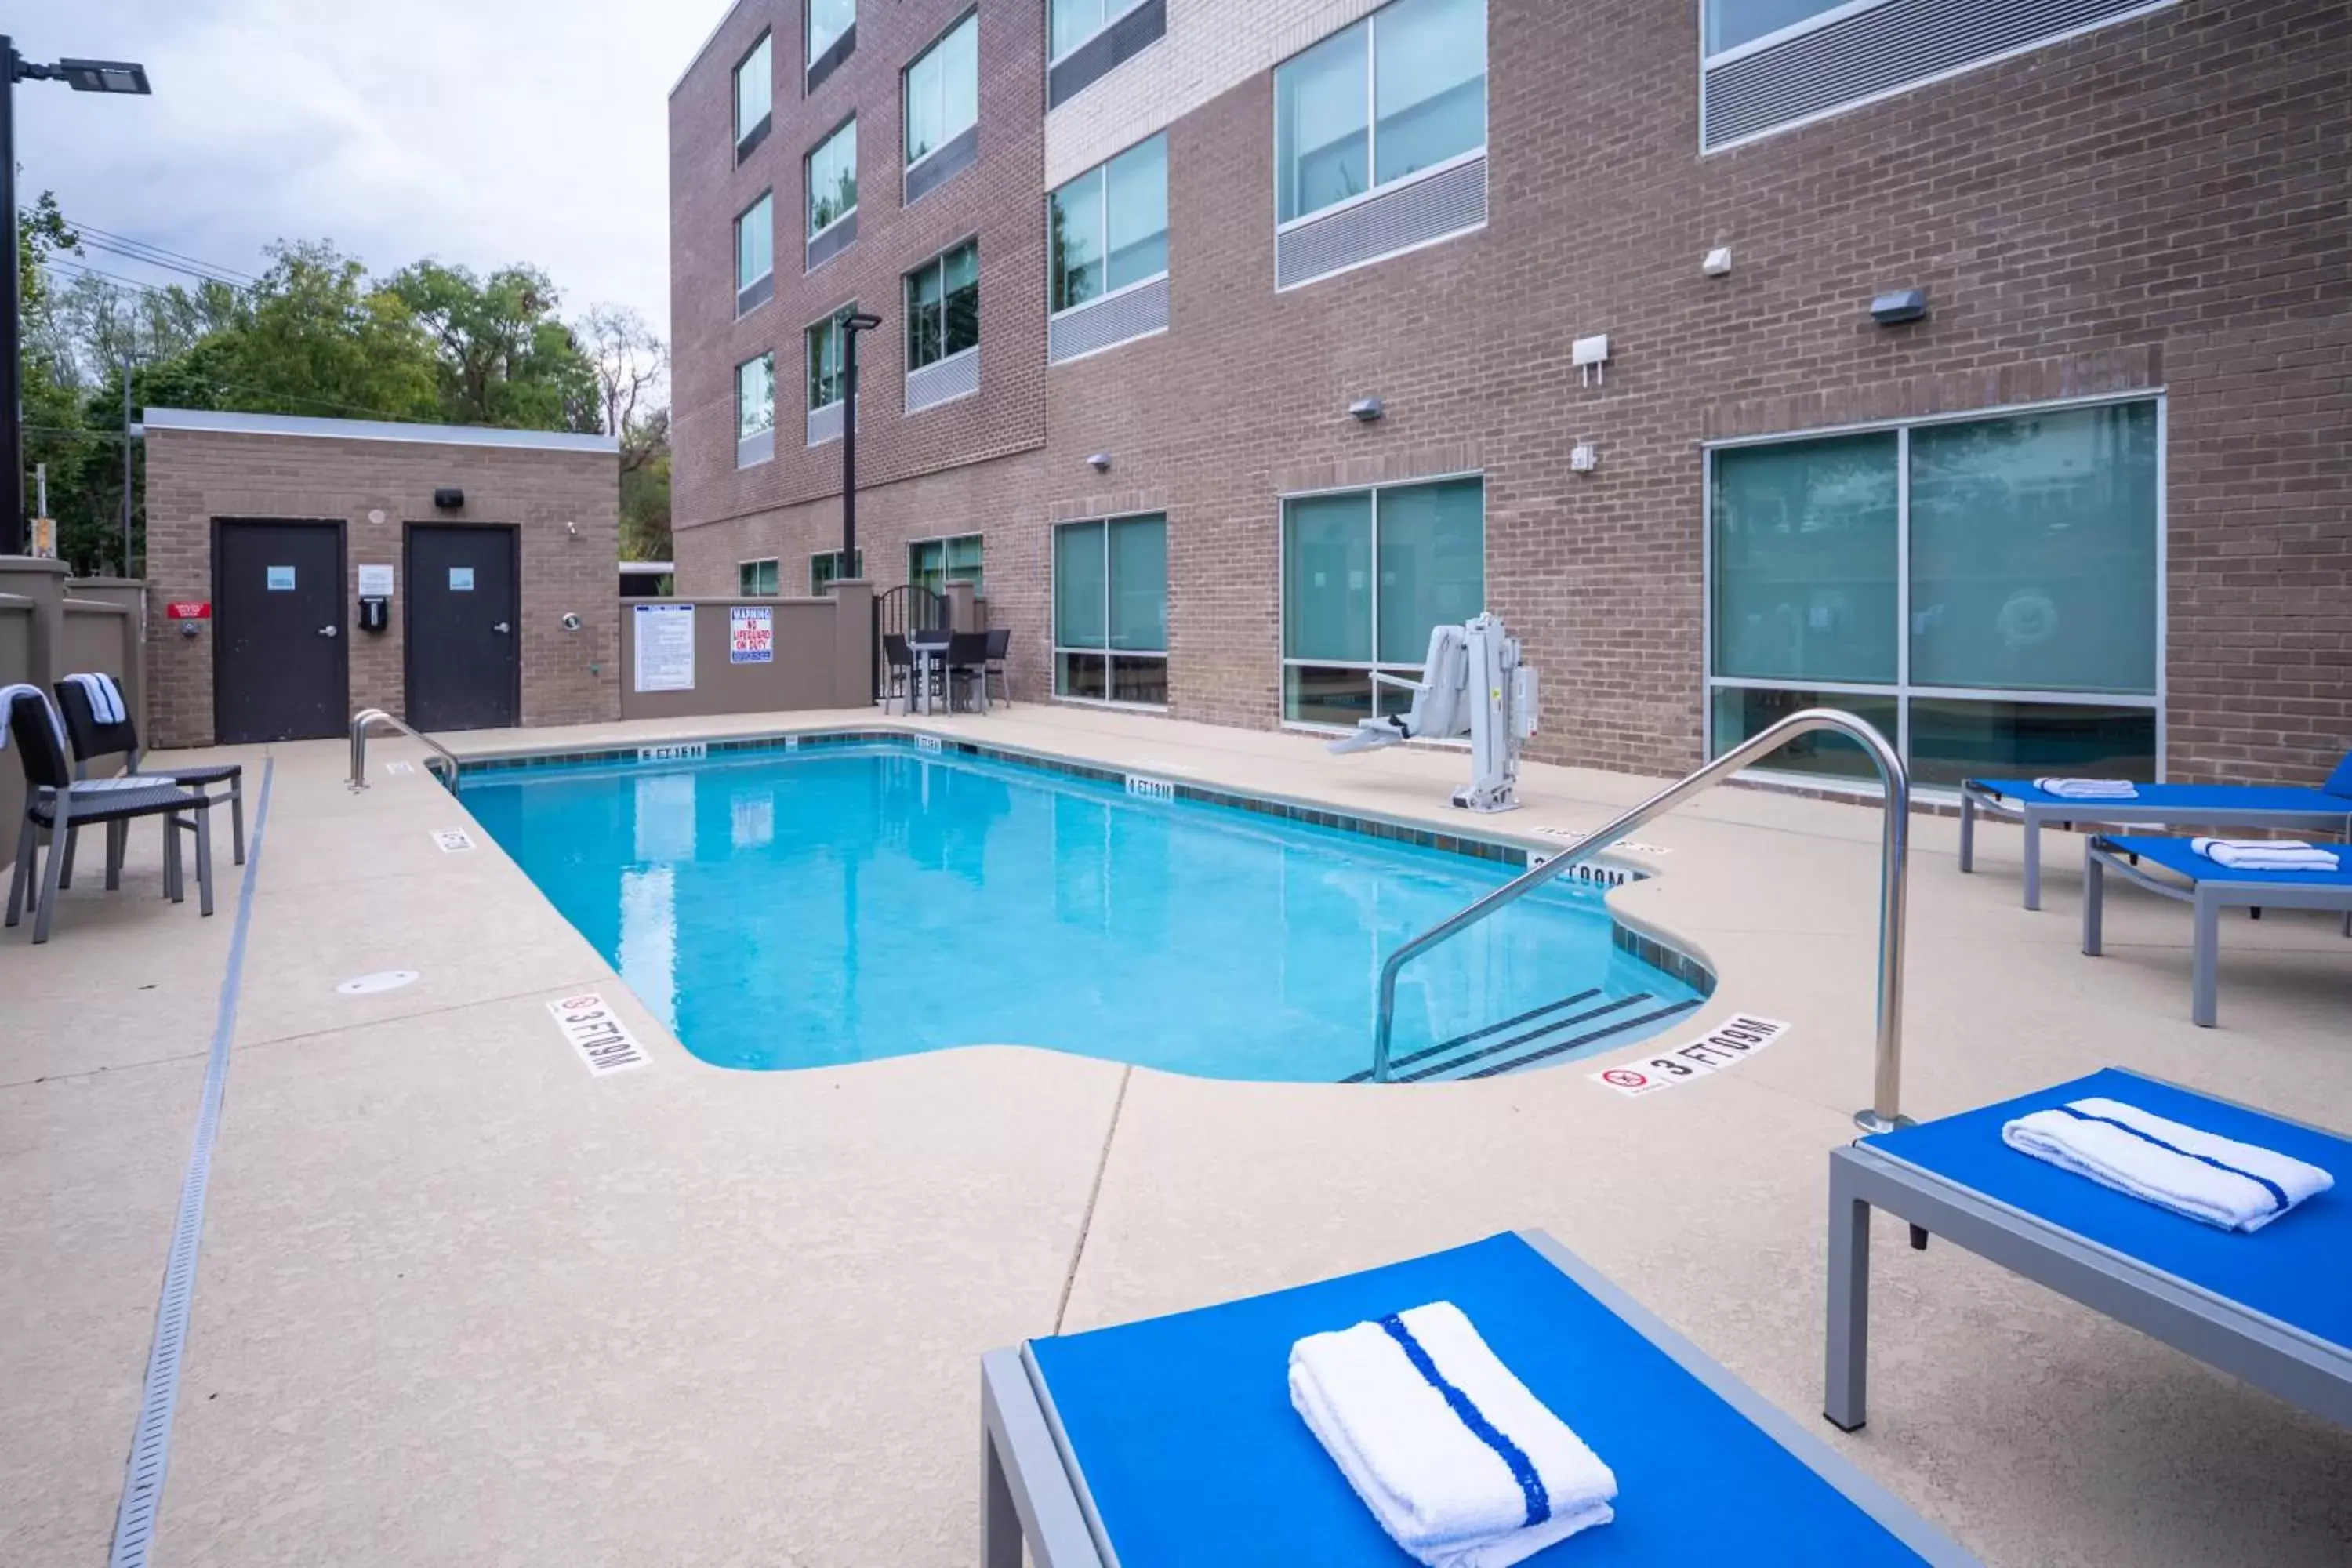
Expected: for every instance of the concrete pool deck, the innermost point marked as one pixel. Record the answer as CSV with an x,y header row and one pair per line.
x,y
458,1300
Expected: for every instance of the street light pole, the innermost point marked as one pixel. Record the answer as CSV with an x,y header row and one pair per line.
x,y
126,362
851,325
82,75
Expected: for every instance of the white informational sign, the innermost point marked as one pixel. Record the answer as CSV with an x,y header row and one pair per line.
x,y
1731,1043
664,648
376,582
281,579
597,1033
751,634
461,579
453,839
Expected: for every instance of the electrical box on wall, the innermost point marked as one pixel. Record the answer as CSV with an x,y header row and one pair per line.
x,y
375,614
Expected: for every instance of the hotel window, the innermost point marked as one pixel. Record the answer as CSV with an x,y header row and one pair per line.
x,y
1111,610
832,186
2011,630
1770,65
1400,92
943,307
755,92
755,410
824,571
934,563
942,96
756,579
827,378
1366,574
832,37
1086,38
755,255
1109,226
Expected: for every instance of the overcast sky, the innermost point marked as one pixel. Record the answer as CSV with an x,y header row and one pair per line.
x,y
480,131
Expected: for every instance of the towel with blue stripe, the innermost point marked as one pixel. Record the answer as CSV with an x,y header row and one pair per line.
x,y
1459,1462
2215,1181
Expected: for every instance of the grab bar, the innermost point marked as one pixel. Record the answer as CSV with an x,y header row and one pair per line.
x,y
1885,1113
367,717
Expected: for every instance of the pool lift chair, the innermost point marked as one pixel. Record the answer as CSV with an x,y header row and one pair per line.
x,y
1471,684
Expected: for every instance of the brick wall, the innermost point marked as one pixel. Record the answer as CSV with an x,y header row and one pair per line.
x,y
2158,204
194,477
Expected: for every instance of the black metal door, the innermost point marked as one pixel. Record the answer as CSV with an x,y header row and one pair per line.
x,y
463,627
279,668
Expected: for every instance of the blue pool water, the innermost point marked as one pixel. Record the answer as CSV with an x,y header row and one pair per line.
x,y
846,902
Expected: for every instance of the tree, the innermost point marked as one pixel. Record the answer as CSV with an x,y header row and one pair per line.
x,y
631,365
504,358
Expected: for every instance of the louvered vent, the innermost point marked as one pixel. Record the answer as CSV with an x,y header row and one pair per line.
x,y
1447,203
957,376
1137,312
1879,50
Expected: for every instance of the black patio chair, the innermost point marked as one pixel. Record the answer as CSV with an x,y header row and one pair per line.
x,y
933,642
967,662
94,737
56,804
897,672
999,649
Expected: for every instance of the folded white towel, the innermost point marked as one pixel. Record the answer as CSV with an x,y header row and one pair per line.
x,y
2237,1187
2089,789
105,696
11,695
1462,1465
2266,854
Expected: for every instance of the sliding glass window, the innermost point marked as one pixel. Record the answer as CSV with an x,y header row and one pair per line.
x,y
1109,226
755,398
829,21
1400,92
934,563
943,90
755,253
755,90
832,184
1366,576
827,378
1985,591
1111,610
943,306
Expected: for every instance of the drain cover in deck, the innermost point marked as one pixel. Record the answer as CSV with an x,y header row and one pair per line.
x,y
382,980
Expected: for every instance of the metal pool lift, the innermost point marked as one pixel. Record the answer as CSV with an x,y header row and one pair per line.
x,y
1471,684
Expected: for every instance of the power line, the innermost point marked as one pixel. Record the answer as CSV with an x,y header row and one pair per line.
x,y
128,254
143,250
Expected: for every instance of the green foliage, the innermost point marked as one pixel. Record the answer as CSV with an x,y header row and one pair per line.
x,y
504,357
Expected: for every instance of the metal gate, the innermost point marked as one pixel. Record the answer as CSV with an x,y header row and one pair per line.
x,y
912,609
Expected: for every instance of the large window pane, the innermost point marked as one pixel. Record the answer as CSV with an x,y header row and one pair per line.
x,y
755,396
1139,583
1077,211
1730,23
1079,586
960,282
923,315
1952,739
833,179
1082,675
1433,563
2033,551
755,243
1429,84
963,558
754,88
756,579
1072,23
1136,215
1140,679
827,380
1318,694
1805,560
1327,578
1742,711
943,90
1322,141
827,20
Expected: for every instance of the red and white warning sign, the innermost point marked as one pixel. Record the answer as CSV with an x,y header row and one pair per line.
x,y
1728,1044
188,610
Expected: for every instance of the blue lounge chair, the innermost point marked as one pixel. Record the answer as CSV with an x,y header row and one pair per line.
x,y
1171,1442
2208,888
2328,808
2273,1306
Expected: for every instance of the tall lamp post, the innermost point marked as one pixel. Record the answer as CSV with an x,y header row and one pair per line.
x,y
851,325
82,75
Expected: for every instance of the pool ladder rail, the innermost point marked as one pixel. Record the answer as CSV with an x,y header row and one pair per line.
x,y
367,719
1885,1112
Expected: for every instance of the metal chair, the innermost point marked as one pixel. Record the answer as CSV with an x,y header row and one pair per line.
x,y
95,737
897,672
999,649
967,661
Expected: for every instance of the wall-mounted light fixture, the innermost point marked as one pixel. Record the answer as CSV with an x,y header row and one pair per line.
x,y
1716,263
1099,462
448,498
1364,410
1901,305
1583,458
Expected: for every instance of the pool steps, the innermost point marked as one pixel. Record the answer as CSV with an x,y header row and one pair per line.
x,y
1465,1057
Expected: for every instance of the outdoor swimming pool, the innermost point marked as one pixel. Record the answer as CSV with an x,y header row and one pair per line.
x,y
843,902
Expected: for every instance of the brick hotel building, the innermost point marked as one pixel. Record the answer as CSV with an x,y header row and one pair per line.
x,y
1229,344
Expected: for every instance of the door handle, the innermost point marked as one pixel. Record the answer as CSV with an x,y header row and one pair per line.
x,y
326,631
502,628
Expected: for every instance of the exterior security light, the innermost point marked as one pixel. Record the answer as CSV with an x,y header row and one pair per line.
x,y
103,76
1367,409
1716,263
1901,305
449,497
862,322
1099,462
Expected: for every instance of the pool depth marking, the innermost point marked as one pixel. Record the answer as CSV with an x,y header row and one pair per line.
x,y
596,1031
1732,1042
151,1441
690,752
453,839
1144,787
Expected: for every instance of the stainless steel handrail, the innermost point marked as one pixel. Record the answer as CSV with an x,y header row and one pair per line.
x,y
366,717
1885,1112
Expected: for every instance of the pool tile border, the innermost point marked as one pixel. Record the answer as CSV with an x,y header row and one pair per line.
x,y
1683,966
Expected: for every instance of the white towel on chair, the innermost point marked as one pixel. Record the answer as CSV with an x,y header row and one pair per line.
x,y
2089,789
2237,1187
105,696
2265,854
1415,1452
11,695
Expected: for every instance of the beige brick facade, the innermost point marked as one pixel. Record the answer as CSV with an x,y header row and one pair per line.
x,y
2156,204
563,503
